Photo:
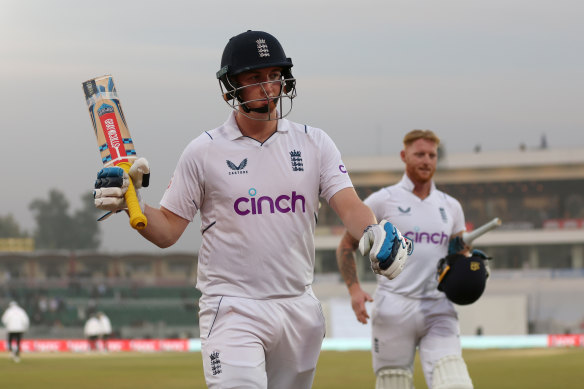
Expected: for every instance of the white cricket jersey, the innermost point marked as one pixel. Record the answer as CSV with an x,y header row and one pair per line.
x,y
258,204
429,223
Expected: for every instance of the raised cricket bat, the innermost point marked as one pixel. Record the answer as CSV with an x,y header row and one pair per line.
x,y
469,237
113,137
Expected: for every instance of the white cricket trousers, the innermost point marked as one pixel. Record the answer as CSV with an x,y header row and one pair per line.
x,y
260,344
399,324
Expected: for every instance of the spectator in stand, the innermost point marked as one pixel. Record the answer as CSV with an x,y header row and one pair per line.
x,y
105,329
16,322
92,331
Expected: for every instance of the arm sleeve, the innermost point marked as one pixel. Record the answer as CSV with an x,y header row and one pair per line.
x,y
185,191
333,174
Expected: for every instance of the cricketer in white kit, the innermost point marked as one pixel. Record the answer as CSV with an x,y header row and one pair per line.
x,y
256,182
409,312
258,205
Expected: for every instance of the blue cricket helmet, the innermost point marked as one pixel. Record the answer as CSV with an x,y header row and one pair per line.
x,y
253,50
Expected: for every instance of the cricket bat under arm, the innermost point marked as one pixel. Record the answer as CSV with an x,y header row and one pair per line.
x,y
113,137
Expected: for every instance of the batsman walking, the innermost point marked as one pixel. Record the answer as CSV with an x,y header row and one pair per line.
x,y
256,181
410,312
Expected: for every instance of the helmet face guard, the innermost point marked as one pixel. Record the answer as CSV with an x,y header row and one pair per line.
x,y
254,50
232,93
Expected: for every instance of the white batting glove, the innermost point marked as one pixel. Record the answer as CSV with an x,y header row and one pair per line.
x,y
112,183
110,186
388,250
140,173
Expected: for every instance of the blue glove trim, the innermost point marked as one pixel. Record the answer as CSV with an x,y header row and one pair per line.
x,y
387,247
109,177
107,214
112,171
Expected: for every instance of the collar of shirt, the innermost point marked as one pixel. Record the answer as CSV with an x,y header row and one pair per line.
x,y
233,131
409,185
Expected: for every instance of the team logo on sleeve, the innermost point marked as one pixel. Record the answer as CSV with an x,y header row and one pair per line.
x,y
237,169
296,160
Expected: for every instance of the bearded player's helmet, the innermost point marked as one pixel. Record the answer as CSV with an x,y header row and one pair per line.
x,y
463,279
253,50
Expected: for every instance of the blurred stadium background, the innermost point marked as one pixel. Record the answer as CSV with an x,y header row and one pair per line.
x,y
533,298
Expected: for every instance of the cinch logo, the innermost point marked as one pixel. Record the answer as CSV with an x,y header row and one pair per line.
x,y
439,238
257,206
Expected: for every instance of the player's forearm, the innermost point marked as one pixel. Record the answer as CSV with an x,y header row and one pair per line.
x,y
354,214
358,218
346,260
162,229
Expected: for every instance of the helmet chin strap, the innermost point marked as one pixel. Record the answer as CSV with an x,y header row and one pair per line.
x,y
262,109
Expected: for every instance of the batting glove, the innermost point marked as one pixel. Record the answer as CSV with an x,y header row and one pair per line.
x,y
112,183
456,245
140,173
388,250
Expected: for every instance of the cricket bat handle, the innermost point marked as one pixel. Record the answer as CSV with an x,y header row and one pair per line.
x,y
469,237
138,220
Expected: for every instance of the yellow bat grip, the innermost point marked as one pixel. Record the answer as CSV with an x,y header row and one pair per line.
x,y
138,220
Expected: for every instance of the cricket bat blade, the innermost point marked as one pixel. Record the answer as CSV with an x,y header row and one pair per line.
x,y
115,144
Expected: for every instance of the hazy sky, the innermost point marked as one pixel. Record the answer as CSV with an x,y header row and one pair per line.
x,y
496,73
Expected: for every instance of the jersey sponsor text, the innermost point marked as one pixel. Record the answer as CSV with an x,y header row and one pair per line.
x,y
439,238
257,206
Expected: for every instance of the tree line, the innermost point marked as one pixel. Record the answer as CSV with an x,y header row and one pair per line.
x,y
57,227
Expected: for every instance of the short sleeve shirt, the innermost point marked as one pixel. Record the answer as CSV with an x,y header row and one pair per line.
x,y
429,223
258,204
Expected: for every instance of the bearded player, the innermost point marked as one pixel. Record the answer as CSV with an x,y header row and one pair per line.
x,y
410,312
256,182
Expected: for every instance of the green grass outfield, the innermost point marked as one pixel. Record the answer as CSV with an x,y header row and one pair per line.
x,y
500,369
